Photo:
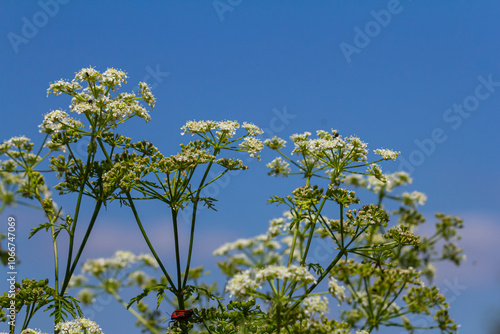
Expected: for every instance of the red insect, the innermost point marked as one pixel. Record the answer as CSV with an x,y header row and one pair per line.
x,y
180,315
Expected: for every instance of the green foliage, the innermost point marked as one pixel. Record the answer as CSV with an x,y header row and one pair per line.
x,y
371,259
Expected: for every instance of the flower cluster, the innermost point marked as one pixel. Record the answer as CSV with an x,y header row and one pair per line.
x,y
342,196
243,283
278,167
252,145
28,331
198,126
120,260
225,130
387,154
252,129
58,120
95,101
112,78
20,142
62,86
336,290
275,143
330,152
376,185
402,235
80,325
414,197
315,305
261,241
147,94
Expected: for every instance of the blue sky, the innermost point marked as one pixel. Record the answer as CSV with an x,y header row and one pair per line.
x,y
419,77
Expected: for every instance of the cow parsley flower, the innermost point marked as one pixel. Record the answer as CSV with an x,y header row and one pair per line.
x,y
29,331
293,273
120,260
252,129
80,325
112,78
315,304
253,146
146,94
275,143
414,197
58,120
337,291
88,74
387,154
62,86
228,128
198,126
241,284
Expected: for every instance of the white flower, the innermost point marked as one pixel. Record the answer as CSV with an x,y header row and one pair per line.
x,y
337,291
55,146
387,154
252,145
239,244
62,86
113,78
292,273
300,137
77,280
88,74
275,143
315,304
147,95
120,260
148,260
80,325
276,226
86,296
415,196
356,149
355,180
17,141
28,331
278,167
228,128
241,283
57,120
198,127
252,129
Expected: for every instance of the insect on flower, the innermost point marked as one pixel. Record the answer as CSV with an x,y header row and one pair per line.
x,y
180,315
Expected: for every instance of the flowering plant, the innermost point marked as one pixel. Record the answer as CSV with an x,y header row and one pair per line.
x,y
328,245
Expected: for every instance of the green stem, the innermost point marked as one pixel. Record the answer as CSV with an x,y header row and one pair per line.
x,y
323,275
311,233
179,292
292,249
193,220
71,270
145,236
